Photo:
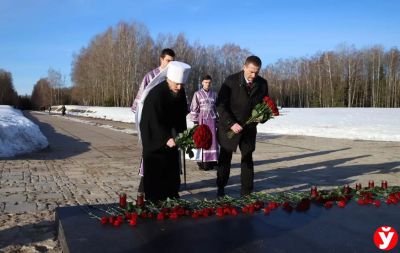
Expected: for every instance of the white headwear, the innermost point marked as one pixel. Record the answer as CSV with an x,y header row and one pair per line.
x,y
178,72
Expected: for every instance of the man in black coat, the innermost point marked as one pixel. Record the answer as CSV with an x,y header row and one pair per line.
x,y
162,118
237,97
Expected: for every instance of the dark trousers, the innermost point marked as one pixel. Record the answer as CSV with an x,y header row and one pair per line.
x,y
141,186
246,167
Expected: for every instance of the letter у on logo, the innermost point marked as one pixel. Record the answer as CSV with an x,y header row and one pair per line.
x,y
385,238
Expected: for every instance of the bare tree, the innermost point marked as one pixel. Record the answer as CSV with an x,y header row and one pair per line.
x,y
8,95
56,83
109,70
41,94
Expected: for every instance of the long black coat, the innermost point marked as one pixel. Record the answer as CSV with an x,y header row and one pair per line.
x,y
162,112
234,105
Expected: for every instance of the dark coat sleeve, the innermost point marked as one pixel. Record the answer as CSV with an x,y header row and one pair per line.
x,y
154,126
234,105
226,117
181,112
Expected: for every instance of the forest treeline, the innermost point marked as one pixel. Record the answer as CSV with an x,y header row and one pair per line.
x,y
109,70
346,77
8,95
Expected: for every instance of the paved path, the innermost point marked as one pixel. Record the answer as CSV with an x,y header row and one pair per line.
x,y
88,164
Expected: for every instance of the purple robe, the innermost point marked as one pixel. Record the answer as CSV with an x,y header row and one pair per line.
x,y
203,111
146,80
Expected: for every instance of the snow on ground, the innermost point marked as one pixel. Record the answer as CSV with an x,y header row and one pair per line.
x,y
378,124
122,114
18,134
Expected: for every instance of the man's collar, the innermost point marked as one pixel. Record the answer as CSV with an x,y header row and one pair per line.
x,y
245,79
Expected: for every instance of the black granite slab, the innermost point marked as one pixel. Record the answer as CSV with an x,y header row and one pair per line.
x,y
348,229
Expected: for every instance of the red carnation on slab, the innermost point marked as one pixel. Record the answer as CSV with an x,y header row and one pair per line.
x,y
111,219
328,204
132,222
303,205
341,203
227,211
160,216
220,212
287,207
195,215
116,223
377,203
299,201
273,205
361,202
234,212
173,216
104,220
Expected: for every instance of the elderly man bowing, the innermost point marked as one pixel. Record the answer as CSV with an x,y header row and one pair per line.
x,y
162,118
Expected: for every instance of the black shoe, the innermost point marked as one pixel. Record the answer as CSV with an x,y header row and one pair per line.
x,y
210,166
207,166
201,166
244,193
220,192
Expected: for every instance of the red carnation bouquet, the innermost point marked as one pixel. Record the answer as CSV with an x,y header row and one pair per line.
x,y
199,137
261,113
202,137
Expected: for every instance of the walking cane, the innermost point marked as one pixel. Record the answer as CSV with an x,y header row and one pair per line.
x,y
184,167
202,156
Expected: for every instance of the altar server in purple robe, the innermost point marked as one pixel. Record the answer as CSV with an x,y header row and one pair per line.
x,y
203,111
